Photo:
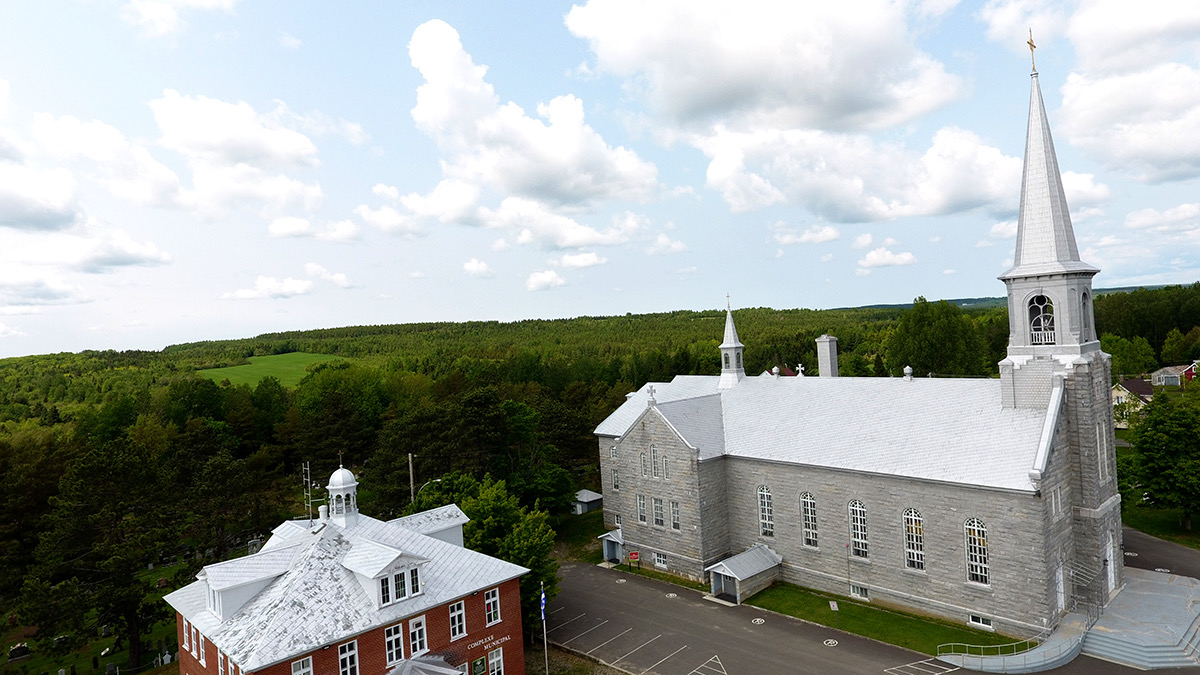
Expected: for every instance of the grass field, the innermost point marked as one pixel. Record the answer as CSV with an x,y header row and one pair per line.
x,y
289,368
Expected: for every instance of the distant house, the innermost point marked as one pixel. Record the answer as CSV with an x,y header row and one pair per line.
x,y
1129,396
585,501
346,594
1173,376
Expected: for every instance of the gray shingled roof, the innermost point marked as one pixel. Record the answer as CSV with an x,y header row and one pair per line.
x,y
433,520
586,496
754,560
949,430
318,601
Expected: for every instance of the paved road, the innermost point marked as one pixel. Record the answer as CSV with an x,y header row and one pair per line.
x,y
1150,553
644,626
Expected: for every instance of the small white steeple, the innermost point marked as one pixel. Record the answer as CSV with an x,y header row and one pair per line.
x,y
343,498
732,370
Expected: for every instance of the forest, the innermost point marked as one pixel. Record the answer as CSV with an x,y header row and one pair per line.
x,y
113,461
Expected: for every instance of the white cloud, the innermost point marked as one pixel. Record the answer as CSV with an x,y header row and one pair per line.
x,y
292,226
21,290
9,331
1009,22
212,130
949,271
1004,230
863,240
540,281
271,287
450,201
882,257
157,18
555,158
289,41
477,268
389,191
5,93
827,257
317,122
117,249
817,234
1181,222
388,219
580,260
500,244
773,63
853,178
36,199
336,278
126,169
535,222
664,244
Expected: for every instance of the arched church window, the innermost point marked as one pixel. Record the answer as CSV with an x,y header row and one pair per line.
x,y
766,513
337,505
726,361
739,360
914,540
808,515
1041,320
977,553
858,529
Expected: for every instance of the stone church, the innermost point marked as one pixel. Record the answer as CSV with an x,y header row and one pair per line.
x,y
992,502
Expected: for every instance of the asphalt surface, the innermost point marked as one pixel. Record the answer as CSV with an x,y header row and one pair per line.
x,y
1150,553
644,627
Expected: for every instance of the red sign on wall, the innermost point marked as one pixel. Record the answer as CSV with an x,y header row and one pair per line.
x,y
633,555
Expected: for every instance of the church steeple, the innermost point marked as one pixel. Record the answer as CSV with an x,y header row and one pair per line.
x,y
731,353
343,498
1049,287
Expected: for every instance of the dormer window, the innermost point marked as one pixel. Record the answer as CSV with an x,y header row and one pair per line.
x,y
214,601
399,585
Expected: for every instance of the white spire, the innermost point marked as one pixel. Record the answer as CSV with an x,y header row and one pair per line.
x,y
732,370
1045,239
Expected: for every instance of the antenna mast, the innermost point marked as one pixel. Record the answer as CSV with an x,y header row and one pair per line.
x,y
308,493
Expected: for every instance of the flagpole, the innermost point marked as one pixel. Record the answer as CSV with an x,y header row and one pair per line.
x,y
545,649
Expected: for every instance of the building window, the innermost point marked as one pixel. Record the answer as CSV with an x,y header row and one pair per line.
x,y
766,515
641,506
491,606
1041,320
617,520
914,540
808,517
666,462
348,658
414,575
675,525
385,590
195,640
654,467
393,642
1085,309
416,637
616,480
187,635
303,666
612,452
220,663
981,621
200,647
643,457
1101,453
726,361
658,512
858,529
977,555
496,662
857,591
660,560
458,620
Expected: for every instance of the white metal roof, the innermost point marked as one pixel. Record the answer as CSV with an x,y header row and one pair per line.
x,y
586,496
951,430
754,560
251,568
433,520
318,601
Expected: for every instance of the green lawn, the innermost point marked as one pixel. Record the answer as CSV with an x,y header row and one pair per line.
x,y
917,633
577,536
289,368
1163,523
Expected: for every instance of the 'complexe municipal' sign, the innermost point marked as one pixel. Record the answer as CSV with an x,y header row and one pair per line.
x,y
489,642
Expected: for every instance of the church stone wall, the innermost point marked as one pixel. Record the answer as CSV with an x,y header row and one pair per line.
x,y
1016,599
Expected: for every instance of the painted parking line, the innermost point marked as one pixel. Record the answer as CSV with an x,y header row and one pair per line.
x,y
664,659
712,666
926,667
608,640
566,622
586,632
638,647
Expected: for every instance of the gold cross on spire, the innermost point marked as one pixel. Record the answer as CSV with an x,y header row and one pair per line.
x,y
1031,48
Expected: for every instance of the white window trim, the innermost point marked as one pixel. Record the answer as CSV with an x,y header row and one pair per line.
x,y
458,610
491,600
302,666
348,649
860,592
660,560
655,469
808,518
979,569
660,513
981,622
859,541
676,520
200,641
187,635
394,636
616,479
766,512
914,540
641,509
496,661
416,631
220,663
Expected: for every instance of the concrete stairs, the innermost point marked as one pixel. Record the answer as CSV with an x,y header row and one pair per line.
x,y
1154,622
1131,650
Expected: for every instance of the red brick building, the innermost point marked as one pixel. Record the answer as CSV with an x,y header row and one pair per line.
x,y
346,594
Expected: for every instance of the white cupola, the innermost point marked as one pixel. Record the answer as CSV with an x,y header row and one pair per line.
x,y
732,370
343,498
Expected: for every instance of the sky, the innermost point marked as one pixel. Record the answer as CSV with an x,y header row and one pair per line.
x,y
182,170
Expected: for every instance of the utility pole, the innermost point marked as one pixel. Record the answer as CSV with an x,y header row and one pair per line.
x,y
412,491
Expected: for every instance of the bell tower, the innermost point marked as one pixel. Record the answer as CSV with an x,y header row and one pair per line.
x,y
732,370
